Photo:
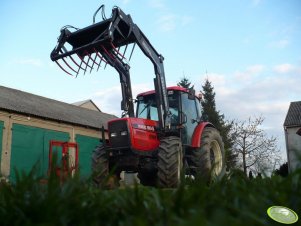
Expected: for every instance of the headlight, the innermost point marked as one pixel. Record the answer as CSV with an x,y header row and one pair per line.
x,y
113,134
124,133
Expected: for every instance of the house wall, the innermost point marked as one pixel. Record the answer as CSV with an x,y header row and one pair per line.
x,y
293,143
89,105
25,140
1,138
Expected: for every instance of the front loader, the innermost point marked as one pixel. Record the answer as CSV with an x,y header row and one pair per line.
x,y
165,137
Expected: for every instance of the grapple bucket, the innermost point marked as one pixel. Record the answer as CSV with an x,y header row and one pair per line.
x,y
88,47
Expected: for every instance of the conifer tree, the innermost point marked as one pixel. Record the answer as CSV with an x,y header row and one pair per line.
x,y
185,83
211,114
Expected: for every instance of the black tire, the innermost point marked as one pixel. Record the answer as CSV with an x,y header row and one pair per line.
x,y
105,174
170,162
100,166
208,161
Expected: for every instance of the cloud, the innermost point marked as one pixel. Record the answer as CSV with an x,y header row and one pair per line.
x,y
167,22
247,40
280,44
185,20
261,94
264,93
109,100
125,2
157,4
256,2
284,68
217,79
255,69
249,72
30,61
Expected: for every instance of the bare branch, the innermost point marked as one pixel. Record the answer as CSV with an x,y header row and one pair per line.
x,y
252,143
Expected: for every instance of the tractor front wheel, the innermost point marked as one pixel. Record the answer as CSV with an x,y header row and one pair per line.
x,y
100,166
101,175
170,162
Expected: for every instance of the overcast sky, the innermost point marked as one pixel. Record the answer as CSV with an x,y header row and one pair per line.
x,y
249,49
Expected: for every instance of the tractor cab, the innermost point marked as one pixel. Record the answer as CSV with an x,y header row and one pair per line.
x,y
184,108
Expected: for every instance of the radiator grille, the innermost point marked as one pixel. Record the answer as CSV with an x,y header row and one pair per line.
x,y
119,134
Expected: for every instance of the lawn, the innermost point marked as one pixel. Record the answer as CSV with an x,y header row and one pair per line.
x,y
231,201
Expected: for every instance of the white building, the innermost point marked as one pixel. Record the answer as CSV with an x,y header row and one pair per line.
x,y
292,130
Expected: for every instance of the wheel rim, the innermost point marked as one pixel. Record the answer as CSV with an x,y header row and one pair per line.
x,y
216,157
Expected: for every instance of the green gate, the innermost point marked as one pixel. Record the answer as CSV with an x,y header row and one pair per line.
x,y
86,145
30,146
1,137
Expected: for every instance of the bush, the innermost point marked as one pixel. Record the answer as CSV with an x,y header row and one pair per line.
x,y
235,200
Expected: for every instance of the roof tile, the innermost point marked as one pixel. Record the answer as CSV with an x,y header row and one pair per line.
x,y
30,104
293,116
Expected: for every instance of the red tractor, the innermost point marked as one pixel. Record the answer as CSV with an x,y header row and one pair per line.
x,y
166,137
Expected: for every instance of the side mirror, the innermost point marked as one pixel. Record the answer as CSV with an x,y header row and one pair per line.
x,y
191,94
200,97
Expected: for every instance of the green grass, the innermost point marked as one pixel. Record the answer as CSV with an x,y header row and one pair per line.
x,y
235,201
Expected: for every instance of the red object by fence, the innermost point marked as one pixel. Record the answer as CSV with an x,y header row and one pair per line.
x,y
66,168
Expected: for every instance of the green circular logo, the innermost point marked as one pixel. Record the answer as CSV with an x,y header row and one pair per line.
x,y
282,214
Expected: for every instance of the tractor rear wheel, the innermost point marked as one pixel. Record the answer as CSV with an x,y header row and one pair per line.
x,y
170,162
208,161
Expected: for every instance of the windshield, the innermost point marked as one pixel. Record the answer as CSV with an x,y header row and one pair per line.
x,y
147,107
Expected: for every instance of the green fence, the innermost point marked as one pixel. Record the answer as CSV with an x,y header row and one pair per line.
x,y
86,146
30,145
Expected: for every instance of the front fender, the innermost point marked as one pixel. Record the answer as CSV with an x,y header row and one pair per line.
x,y
197,134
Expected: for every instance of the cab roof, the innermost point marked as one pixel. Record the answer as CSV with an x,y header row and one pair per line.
x,y
175,88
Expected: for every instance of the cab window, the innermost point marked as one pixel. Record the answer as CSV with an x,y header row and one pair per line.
x,y
147,107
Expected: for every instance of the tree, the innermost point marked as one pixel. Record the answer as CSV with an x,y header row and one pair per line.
x,y
283,170
250,175
211,114
256,150
185,83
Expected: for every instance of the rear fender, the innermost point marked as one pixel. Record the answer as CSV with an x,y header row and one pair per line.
x,y
197,134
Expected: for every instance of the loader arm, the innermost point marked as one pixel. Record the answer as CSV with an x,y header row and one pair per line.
x,y
101,42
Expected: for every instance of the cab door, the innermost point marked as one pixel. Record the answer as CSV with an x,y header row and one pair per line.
x,y
191,110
